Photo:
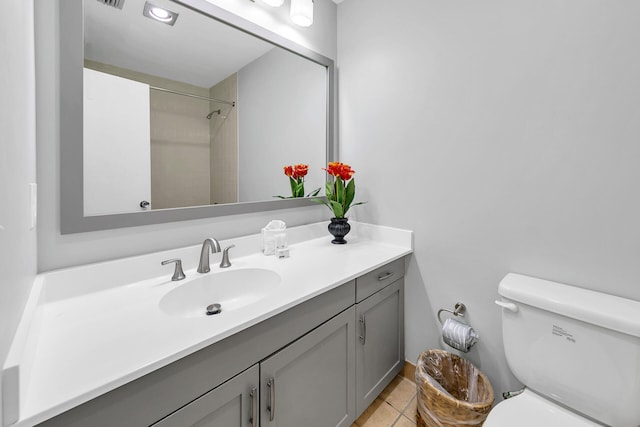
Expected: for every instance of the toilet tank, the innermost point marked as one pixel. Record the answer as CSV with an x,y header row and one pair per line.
x,y
578,347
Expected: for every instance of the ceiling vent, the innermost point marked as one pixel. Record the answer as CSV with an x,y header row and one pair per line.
x,y
113,3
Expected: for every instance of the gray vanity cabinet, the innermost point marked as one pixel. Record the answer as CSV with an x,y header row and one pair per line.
x,y
311,382
179,385
318,364
380,342
231,404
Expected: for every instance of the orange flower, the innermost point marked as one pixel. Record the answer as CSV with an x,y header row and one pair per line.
x,y
342,170
300,170
341,189
333,168
346,172
296,174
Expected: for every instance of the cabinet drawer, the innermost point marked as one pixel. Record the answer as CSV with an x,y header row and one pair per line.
x,y
232,404
377,279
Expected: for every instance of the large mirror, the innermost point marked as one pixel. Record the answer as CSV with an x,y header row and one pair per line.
x,y
183,120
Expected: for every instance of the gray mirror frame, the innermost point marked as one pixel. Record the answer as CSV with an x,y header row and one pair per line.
x,y
72,219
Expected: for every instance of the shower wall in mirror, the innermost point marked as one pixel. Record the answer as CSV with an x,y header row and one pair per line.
x,y
198,113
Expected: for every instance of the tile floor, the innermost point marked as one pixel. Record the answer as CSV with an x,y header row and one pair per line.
x,y
396,405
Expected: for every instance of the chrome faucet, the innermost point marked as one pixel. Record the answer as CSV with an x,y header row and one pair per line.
x,y
209,244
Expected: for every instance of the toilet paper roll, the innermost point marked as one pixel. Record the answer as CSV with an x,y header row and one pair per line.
x,y
458,335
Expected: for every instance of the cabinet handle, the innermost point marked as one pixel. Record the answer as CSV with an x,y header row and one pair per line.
x,y
385,276
271,406
254,407
363,329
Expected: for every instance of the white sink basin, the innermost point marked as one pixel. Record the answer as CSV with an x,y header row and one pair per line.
x,y
231,289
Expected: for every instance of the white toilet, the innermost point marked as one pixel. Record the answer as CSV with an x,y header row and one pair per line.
x,y
577,352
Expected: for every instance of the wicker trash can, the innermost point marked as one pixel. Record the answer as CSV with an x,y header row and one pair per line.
x,y
452,392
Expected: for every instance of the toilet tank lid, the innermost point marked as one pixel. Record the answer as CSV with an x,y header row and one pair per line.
x,y
608,311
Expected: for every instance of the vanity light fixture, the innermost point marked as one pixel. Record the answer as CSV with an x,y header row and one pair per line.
x,y
302,12
274,3
159,13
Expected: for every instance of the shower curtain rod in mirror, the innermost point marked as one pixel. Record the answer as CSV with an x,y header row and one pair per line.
x,y
221,101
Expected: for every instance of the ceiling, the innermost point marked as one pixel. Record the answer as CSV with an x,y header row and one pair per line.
x,y
196,50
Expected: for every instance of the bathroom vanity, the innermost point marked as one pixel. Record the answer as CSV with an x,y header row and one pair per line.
x,y
315,350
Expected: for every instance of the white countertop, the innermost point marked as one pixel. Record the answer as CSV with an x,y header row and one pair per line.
x,y
90,329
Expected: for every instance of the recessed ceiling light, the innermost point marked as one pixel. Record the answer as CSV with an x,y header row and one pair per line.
x,y
159,14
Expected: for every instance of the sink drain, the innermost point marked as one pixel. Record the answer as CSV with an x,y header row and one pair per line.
x,y
213,309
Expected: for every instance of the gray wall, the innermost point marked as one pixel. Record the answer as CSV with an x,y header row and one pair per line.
x,y
282,107
17,167
55,250
506,135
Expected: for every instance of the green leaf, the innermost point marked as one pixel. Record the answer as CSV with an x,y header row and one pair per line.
x,y
293,184
337,209
299,191
321,201
350,194
340,191
314,192
329,190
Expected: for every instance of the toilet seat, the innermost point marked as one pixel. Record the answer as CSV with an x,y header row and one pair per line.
x,y
529,409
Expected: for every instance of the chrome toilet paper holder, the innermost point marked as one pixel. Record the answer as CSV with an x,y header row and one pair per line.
x,y
458,310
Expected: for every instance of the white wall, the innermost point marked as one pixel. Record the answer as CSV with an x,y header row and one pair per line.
x,y
17,167
282,108
55,250
505,134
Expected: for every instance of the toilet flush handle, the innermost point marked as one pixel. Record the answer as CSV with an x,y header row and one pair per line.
x,y
507,305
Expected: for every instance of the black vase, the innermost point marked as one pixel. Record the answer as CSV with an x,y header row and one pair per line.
x,y
339,227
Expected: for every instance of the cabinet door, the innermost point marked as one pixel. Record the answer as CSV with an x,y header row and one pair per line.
x,y
380,343
311,382
232,404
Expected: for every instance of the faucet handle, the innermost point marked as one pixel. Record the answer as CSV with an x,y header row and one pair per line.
x,y
178,274
225,257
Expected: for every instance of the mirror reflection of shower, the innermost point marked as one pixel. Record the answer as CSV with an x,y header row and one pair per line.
x,y
217,119
192,127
